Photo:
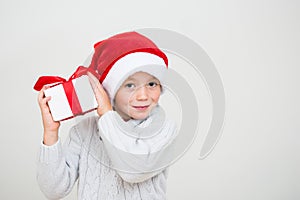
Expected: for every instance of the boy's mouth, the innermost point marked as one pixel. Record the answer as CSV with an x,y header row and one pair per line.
x,y
141,107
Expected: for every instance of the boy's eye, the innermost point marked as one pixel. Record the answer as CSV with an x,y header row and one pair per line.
x,y
152,84
129,85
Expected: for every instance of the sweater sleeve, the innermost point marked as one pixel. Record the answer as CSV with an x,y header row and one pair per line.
x,y
135,160
57,167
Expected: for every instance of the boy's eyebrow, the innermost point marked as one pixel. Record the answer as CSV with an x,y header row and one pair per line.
x,y
130,79
133,79
153,78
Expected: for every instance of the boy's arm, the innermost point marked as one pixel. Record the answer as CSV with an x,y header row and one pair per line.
x,y
57,167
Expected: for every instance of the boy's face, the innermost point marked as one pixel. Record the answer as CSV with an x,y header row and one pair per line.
x,y
137,96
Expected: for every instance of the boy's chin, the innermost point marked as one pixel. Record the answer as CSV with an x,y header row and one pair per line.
x,y
139,115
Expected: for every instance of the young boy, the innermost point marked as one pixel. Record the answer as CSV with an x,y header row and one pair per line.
x,y
119,153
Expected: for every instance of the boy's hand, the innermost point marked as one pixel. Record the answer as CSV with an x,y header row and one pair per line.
x,y
102,98
50,126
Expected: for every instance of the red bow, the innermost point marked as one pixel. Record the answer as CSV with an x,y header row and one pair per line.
x,y
45,80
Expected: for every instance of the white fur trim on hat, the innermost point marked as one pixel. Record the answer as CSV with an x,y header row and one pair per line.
x,y
128,65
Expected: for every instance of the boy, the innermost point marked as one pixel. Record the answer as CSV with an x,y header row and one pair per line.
x,y
117,154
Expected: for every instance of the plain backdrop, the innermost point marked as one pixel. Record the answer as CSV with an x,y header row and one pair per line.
x,y
254,45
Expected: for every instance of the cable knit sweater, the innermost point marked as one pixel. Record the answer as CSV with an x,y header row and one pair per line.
x,y
88,155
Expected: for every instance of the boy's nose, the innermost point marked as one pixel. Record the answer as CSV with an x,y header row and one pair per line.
x,y
141,93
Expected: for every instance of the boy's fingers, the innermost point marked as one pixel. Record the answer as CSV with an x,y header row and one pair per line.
x,y
96,85
92,81
92,76
41,92
100,94
42,100
43,103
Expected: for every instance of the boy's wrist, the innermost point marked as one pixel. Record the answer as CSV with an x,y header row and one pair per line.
x,y
104,110
107,110
50,137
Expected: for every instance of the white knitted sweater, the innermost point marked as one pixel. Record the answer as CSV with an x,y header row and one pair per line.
x,y
84,157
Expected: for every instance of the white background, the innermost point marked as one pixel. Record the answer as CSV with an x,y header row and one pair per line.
x,y
254,45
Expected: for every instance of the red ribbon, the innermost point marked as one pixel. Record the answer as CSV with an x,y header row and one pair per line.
x,y
67,85
72,97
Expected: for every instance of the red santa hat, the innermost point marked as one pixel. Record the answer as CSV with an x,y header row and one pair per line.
x,y
120,56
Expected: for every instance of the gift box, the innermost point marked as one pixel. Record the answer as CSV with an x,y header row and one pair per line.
x,y
69,98
72,98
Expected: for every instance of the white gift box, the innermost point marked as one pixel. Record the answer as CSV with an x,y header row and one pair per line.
x,y
71,98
